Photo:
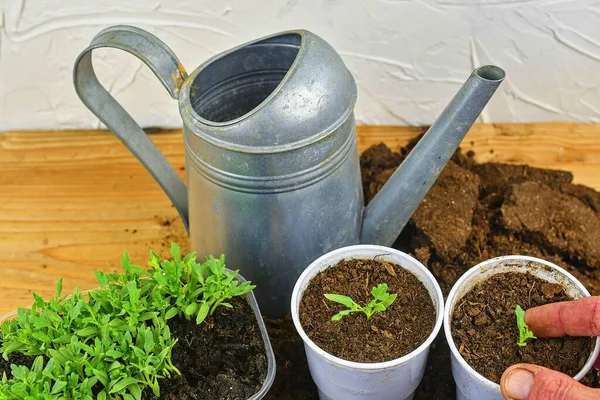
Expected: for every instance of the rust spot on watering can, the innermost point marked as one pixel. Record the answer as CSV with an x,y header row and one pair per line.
x,y
180,76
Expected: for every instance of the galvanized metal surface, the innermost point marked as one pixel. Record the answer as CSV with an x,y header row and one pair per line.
x,y
171,74
272,163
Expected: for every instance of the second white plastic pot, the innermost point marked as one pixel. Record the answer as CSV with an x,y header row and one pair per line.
x,y
470,385
339,379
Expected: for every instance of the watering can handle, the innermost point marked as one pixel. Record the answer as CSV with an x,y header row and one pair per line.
x,y
165,65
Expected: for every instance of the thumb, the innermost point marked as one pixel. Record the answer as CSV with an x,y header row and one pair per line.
x,y
532,382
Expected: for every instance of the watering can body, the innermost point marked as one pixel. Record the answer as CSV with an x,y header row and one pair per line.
x,y
272,161
273,175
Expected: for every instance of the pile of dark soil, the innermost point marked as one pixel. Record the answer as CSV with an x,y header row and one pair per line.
x,y
472,213
484,323
384,336
293,379
479,211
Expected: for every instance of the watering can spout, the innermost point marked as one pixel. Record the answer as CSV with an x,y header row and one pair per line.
x,y
390,210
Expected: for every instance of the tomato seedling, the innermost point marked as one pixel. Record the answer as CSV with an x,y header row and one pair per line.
x,y
524,332
381,301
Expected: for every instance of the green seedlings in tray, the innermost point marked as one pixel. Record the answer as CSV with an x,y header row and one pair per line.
x,y
381,301
208,285
524,332
115,342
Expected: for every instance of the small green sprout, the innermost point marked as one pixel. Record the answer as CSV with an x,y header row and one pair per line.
x,y
381,301
524,332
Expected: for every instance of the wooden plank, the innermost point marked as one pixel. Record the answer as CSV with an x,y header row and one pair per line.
x,y
72,201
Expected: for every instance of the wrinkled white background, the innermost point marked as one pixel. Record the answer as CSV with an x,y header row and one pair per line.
x,y
408,56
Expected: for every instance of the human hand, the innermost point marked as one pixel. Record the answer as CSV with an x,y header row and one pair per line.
x,y
531,382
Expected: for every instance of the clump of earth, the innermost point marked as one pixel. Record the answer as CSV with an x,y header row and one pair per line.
x,y
473,212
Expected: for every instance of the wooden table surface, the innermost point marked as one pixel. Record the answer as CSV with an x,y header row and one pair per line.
x,y
72,201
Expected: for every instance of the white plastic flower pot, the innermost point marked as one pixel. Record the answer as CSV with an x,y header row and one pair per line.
x,y
470,385
338,379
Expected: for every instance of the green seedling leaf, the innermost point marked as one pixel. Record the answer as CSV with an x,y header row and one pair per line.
x,y
102,278
214,267
381,301
340,315
125,262
379,292
202,313
175,252
154,260
102,376
378,307
389,300
59,286
338,298
149,343
86,332
114,354
136,391
41,336
58,387
192,309
122,384
524,332
173,311
147,315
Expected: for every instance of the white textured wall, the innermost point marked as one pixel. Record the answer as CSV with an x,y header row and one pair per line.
x,y
408,57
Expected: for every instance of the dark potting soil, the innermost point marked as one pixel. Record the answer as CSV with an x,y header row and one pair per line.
x,y
485,332
292,381
483,200
387,335
476,195
17,359
221,359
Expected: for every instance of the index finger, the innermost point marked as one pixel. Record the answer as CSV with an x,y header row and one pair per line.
x,y
579,317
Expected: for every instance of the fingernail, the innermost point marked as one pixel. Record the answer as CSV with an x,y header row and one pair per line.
x,y
518,384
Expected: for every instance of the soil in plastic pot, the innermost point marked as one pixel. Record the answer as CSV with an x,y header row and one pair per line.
x,y
485,331
222,358
386,335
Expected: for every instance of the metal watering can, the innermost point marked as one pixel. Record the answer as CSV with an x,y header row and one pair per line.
x,y
273,174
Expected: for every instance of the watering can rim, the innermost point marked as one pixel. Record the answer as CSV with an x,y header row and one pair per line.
x,y
184,94
206,127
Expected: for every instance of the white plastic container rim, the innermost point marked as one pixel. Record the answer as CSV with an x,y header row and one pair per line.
x,y
355,251
507,260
